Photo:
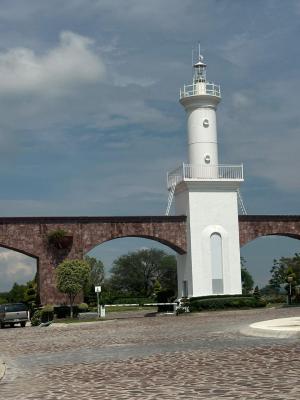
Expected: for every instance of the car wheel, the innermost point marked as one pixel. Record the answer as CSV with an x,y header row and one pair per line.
x,y
23,324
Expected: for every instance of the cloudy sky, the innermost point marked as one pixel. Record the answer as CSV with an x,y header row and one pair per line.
x,y
90,120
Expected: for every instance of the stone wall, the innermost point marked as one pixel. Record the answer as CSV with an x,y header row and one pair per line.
x,y
28,235
254,226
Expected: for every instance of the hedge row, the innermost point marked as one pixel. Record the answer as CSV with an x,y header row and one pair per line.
x,y
220,296
130,300
48,312
223,302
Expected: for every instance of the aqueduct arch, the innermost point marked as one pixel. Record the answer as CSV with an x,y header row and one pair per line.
x,y
254,226
28,235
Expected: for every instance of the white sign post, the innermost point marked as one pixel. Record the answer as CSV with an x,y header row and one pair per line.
x,y
98,290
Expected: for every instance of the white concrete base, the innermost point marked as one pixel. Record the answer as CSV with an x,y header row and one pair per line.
x,y
281,324
211,208
280,328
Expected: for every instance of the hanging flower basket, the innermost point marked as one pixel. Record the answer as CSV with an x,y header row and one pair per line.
x,y
65,242
60,239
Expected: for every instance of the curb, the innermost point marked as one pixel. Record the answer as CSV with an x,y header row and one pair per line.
x,y
269,333
2,369
282,328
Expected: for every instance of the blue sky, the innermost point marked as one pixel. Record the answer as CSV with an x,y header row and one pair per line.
x,y
90,120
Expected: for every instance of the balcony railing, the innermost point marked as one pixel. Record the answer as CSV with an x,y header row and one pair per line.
x,y
200,89
190,172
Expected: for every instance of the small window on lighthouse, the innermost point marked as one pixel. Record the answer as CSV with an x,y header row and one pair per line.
x,y
206,123
207,159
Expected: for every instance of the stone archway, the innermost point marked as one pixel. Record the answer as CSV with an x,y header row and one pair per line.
x,y
254,226
29,236
14,254
170,231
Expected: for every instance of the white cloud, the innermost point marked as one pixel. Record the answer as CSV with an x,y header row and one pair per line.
x,y
262,124
164,14
71,63
124,81
15,267
240,100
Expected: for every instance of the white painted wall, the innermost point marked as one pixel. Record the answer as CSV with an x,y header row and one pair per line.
x,y
210,207
201,128
202,139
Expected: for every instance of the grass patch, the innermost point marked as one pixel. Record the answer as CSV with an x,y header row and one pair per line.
x,y
224,303
130,309
76,321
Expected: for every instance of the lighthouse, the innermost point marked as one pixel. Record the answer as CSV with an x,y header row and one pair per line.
x,y
207,193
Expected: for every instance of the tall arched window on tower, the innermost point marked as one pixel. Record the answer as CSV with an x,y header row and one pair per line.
x,y
216,263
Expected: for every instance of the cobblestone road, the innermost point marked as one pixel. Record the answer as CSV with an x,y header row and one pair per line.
x,y
199,356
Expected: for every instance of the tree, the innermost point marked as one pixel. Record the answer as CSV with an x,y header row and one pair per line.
x,y
96,270
257,293
247,280
72,277
96,278
140,273
16,294
3,297
282,268
31,294
268,290
22,294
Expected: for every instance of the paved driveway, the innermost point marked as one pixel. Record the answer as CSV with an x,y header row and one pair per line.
x,y
198,356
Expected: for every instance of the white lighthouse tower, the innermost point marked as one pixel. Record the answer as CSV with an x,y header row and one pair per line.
x,y
207,193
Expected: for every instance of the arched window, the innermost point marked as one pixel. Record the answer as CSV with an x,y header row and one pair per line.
x,y
216,263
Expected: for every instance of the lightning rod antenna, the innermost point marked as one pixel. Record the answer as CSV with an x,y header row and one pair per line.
x,y
192,59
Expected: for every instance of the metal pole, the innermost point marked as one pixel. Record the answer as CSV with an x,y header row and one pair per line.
x,y
98,306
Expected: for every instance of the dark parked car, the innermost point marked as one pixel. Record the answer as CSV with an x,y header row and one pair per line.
x,y
14,313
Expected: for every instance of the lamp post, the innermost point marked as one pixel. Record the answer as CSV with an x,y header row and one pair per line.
x,y
98,290
290,280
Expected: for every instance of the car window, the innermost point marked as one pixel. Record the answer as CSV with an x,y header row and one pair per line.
x,y
15,307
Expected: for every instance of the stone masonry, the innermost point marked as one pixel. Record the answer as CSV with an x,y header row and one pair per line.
x,y
254,226
28,235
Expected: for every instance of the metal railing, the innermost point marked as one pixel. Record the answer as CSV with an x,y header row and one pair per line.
x,y
205,173
197,89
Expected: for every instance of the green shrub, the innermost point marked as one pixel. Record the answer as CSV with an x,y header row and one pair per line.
x,y
62,311
56,236
219,296
224,302
83,307
36,318
275,299
180,310
65,311
47,313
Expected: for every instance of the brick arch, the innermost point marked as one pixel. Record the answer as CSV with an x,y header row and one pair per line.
x,y
170,231
28,235
255,226
19,250
171,245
